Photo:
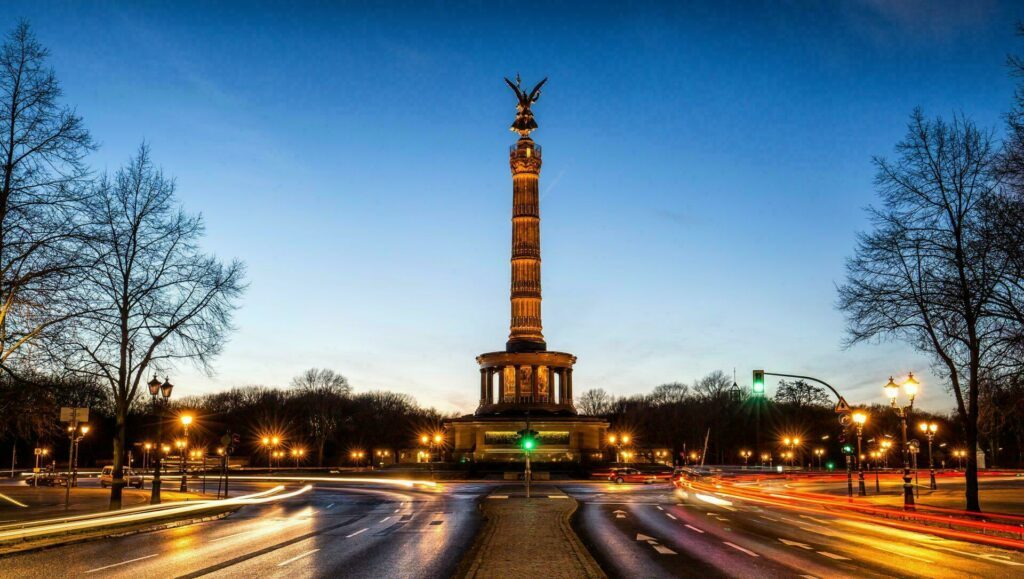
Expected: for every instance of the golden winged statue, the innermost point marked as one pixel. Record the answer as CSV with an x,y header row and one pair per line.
x,y
524,122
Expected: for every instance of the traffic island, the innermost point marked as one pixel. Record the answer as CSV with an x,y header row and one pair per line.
x,y
528,538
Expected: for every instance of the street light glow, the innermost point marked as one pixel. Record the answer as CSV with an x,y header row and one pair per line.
x,y
186,419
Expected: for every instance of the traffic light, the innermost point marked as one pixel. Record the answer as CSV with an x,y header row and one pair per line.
x,y
758,388
528,439
847,449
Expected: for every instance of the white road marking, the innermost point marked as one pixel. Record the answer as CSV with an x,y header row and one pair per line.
x,y
663,550
795,544
329,506
384,520
988,557
643,537
225,537
396,510
741,549
816,520
297,557
768,518
671,516
833,556
659,507
619,514
356,533
121,563
692,528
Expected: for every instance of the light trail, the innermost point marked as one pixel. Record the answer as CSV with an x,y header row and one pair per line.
x,y
51,527
12,501
402,482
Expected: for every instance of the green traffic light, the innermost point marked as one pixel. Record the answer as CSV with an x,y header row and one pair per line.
x,y
758,382
528,444
848,449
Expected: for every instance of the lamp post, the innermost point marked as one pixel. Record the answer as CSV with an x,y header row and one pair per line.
x,y
766,457
746,454
930,428
792,443
38,452
75,434
146,447
892,391
619,441
875,455
819,452
158,391
186,421
859,418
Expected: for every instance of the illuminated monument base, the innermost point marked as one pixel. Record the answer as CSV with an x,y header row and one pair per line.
x,y
492,439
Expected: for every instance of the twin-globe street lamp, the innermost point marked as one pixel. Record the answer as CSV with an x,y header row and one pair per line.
x,y
930,428
163,389
892,390
619,441
745,454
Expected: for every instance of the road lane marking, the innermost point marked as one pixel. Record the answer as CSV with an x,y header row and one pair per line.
x,y
833,556
663,550
692,528
619,514
768,518
741,549
297,557
659,507
671,516
384,520
816,520
988,557
795,544
225,537
396,510
330,505
643,537
356,533
122,563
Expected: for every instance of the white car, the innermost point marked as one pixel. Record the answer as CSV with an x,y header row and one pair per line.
x,y
130,478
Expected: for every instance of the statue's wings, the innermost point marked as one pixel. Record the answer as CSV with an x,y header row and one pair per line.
x,y
535,93
519,93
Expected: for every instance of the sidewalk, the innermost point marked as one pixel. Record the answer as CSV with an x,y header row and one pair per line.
x,y
529,538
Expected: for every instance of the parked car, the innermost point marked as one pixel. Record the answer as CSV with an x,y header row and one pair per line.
x,y
131,478
631,475
47,478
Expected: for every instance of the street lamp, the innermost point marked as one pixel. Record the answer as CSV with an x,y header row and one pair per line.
x,y
903,412
766,457
186,421
792,443
859,418
746,454
930,428
159,391
819,452
619,441
875,455
39,452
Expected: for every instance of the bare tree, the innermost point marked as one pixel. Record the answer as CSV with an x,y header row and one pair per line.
x,y
799,393
42,180
714,386
671,393
595,402
155,298
322,392
927,273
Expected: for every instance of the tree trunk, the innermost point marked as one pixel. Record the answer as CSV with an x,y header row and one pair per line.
x,y
320,451
117,486
973,502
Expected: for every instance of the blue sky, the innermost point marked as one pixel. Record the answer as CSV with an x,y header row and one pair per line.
x,y
706,167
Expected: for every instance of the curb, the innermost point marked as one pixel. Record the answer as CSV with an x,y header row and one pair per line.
x,y
14,549
587,560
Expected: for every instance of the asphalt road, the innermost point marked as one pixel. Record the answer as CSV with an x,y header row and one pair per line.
x,y
656,531
331,531
632,530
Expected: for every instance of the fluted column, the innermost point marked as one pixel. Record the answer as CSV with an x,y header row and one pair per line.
x,y
484,375
526,329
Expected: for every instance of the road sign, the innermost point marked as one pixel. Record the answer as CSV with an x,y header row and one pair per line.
x,y
842,407
71,414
